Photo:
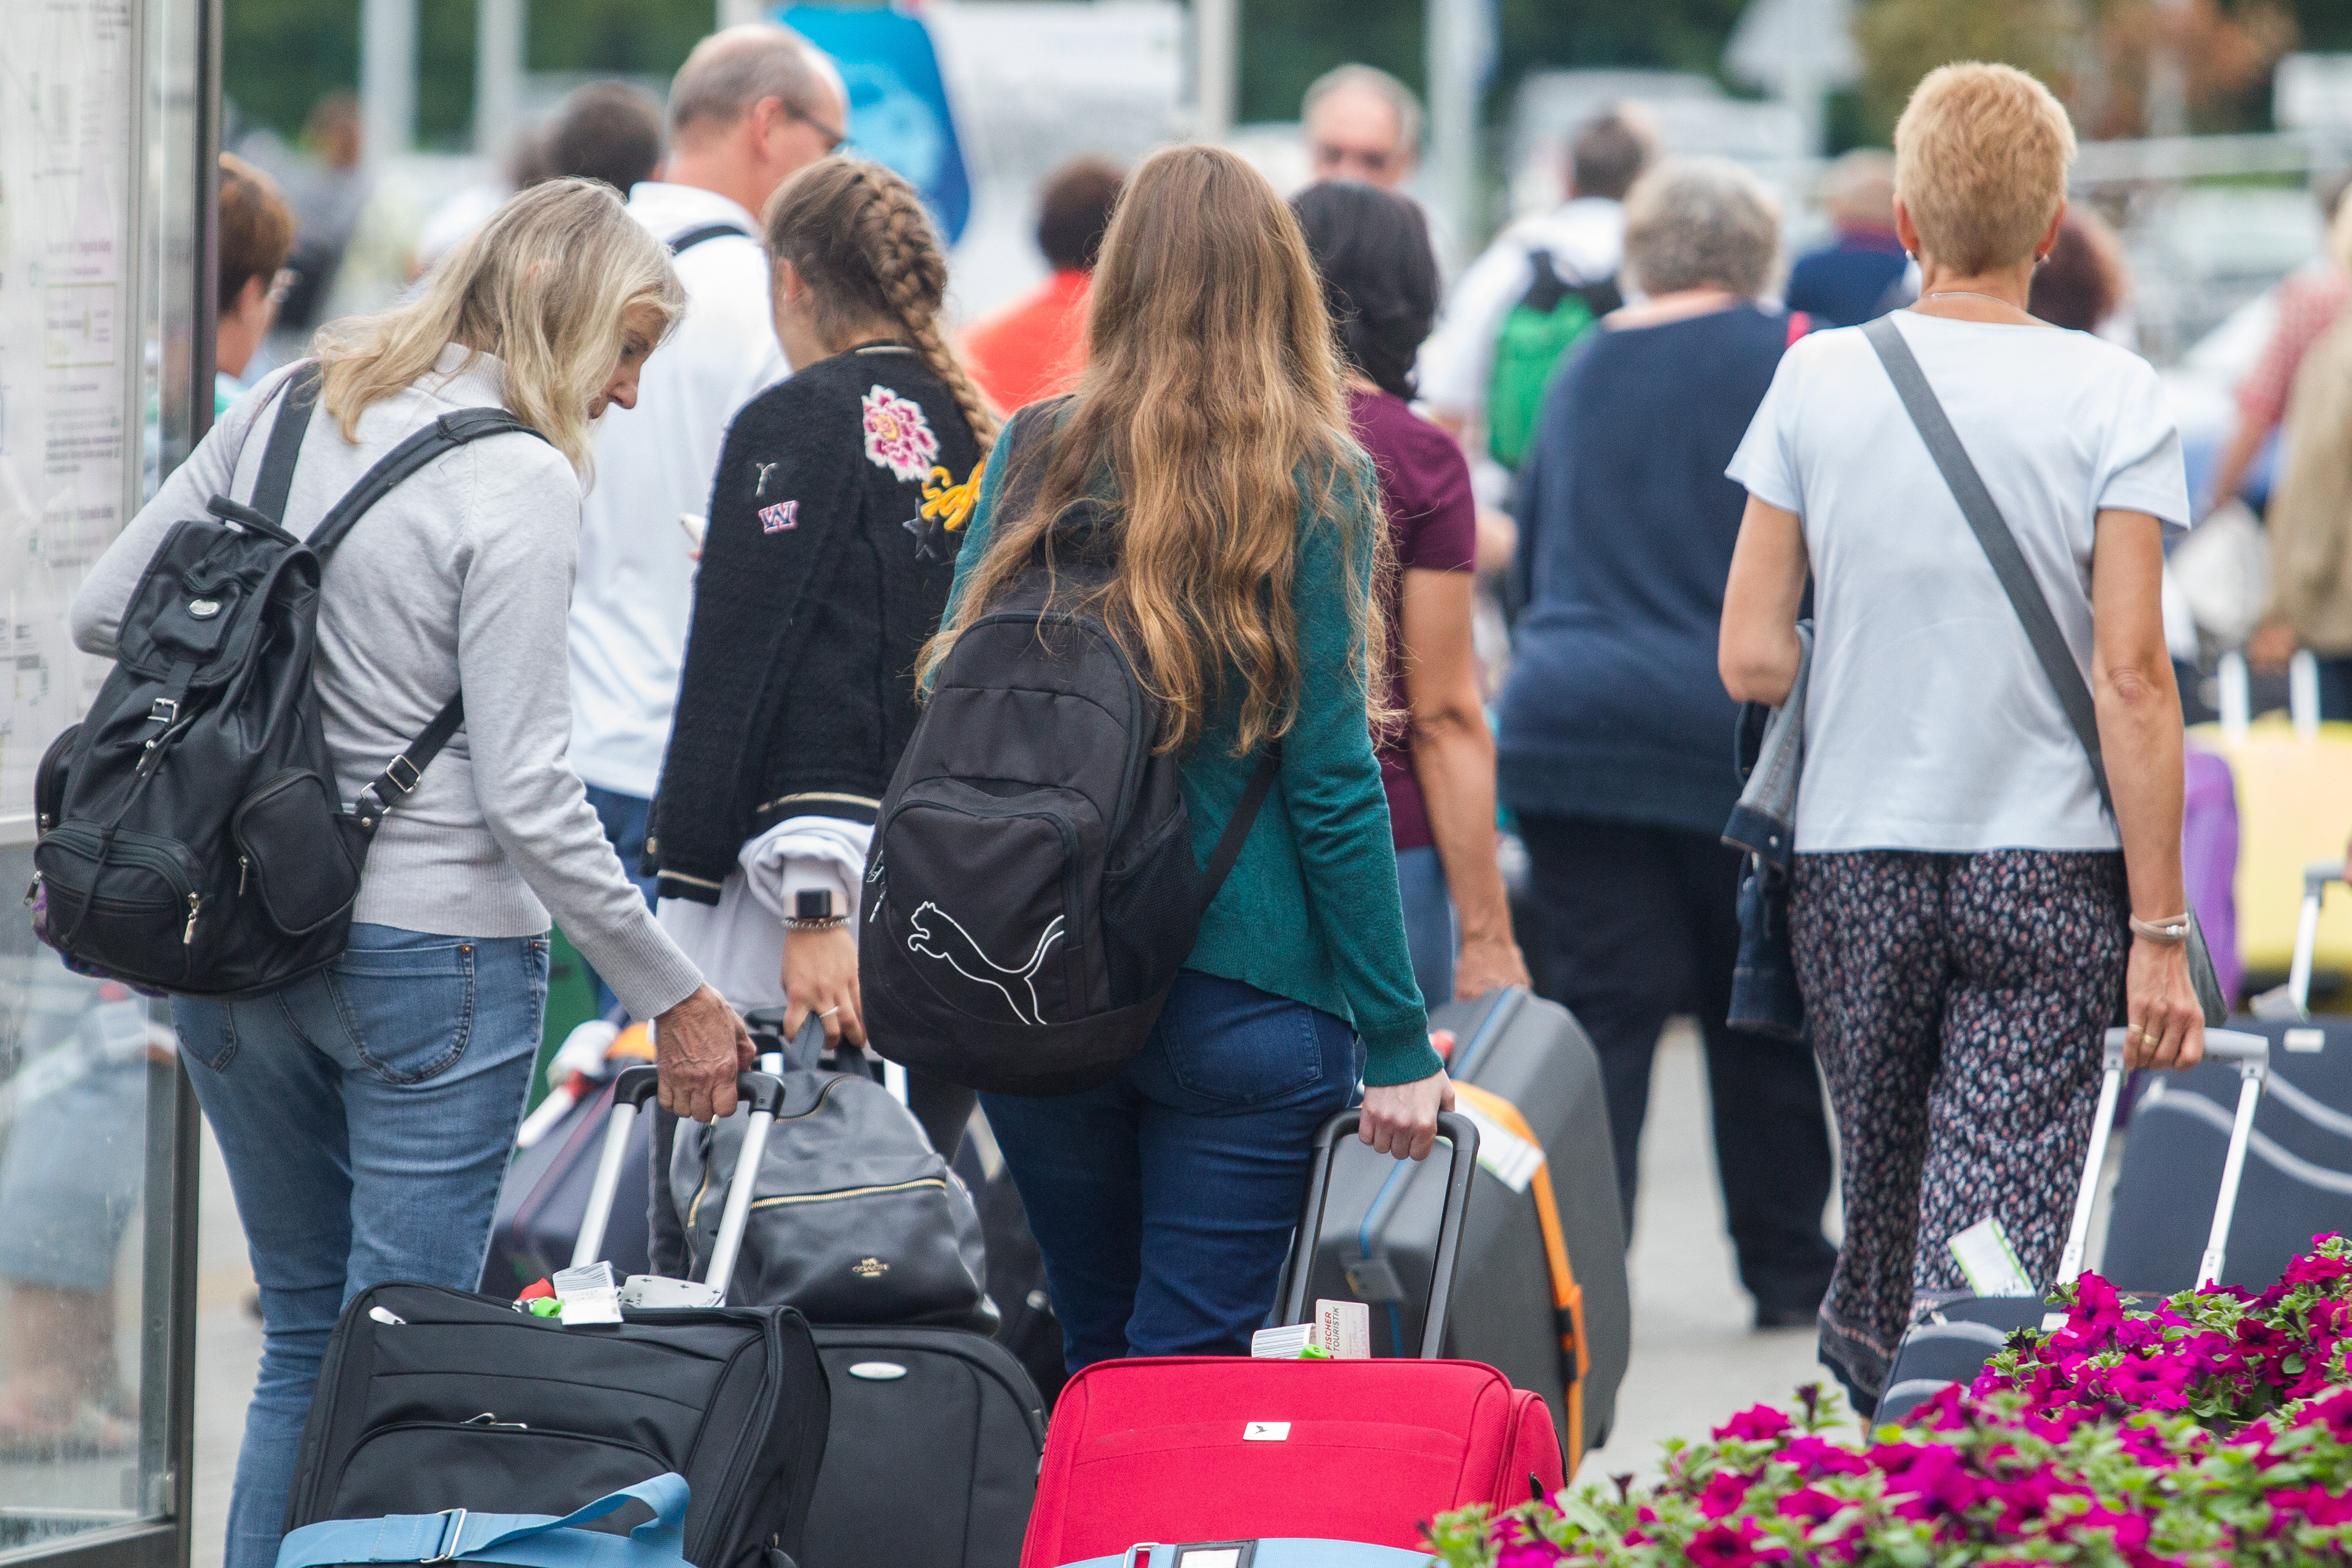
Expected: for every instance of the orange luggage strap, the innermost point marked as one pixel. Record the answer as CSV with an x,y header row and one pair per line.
x,y
1567,1296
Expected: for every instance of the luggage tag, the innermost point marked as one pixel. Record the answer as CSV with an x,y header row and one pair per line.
x,y
1989,1262
588,1295
1339,1331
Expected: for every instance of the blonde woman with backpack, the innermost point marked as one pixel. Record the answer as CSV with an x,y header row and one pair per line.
x,y
1212,423
831,542
366,1113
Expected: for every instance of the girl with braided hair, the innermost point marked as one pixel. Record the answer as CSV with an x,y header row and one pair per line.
x,y
836,514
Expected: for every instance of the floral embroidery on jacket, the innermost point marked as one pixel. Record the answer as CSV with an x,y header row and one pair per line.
x,y
897,436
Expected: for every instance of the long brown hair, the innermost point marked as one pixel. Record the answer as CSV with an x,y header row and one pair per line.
x,y
857,235
1213,399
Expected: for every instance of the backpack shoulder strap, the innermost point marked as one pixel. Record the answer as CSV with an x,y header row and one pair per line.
x,y
445,435
1237,827
680,243
405,771
2008,564
286,432
1546,288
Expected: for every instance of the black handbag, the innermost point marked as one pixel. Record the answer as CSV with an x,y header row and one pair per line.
x,y
2025,597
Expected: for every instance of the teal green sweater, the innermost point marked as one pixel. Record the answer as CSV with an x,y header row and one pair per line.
x,y
1311,911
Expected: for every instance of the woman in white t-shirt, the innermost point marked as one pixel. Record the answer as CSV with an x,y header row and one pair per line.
x,y
1964,911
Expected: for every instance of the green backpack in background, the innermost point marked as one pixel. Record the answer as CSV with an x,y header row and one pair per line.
x,y
1535,337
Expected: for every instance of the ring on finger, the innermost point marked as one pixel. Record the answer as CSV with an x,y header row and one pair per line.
x,y
829,1012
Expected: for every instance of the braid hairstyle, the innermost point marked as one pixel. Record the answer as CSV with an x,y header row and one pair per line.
x,y
857,235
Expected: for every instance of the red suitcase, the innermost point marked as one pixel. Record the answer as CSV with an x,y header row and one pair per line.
x,y
1227,1448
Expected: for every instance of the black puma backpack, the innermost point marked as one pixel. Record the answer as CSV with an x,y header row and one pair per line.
x,y
1031,890
191,840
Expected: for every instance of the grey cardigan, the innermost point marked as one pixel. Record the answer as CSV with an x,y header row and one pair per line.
x,y
1765,821
461,574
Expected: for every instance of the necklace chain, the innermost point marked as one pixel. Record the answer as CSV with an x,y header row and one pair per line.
x,y
1971,294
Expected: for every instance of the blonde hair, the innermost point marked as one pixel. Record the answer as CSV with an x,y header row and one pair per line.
x,y
1980,157
547,287
858,237
1213,402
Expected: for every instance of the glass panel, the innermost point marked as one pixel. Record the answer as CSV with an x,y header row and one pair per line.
x,y
100,193
81,1060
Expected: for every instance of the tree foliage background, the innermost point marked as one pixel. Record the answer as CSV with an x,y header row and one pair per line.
x,y
282,56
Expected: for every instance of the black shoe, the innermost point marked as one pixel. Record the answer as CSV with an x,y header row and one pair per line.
x,y
1792,1316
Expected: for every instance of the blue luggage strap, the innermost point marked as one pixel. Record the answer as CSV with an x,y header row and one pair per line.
x,y
517,1540
1273,1551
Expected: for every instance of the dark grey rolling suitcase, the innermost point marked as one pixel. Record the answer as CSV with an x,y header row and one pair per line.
x,y
2299,1162
544,1199
1379,1229
1952,1344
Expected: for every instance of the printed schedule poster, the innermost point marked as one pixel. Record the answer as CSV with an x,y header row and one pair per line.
x,y
68,451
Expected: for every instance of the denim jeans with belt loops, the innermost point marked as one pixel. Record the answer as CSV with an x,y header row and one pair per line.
x,y
365,1114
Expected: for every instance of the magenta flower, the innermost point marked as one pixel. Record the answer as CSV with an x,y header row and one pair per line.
x,y
1758,1424
1732,1546
1725,1490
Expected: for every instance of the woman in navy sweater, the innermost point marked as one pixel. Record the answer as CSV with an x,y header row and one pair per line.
x,y
1615,742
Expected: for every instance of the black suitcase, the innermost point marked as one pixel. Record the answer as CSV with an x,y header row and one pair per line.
x,y
1952,1342
933,1454
437,1401
2298,1165
1379,1235
544,1200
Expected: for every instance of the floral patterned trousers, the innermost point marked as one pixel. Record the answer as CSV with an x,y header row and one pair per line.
x,y
1958,1004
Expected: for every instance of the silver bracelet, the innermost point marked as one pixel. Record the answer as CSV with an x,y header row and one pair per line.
x,y
2169,933
821,922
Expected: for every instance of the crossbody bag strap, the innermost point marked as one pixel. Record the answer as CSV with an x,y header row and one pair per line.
x,y
685,242
2017,580
2025,596
519,1539
1237,827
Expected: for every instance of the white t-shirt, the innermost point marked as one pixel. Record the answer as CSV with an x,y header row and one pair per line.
x,y
1930,724
635,587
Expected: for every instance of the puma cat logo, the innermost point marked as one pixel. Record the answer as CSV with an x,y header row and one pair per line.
x,y
962,954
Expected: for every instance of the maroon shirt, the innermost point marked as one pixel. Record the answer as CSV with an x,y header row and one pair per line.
x,y
1425,496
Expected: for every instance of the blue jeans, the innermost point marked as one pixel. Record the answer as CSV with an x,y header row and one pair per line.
x,y
365,1115
624,816
1164,1201
1429,934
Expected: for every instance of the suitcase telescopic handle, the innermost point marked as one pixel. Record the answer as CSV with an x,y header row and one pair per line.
x,y
2250,1054
2318,876
763,1093
1461,1136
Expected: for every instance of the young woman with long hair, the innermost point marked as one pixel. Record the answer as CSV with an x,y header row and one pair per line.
x,y
830,546
1212,419
367,1112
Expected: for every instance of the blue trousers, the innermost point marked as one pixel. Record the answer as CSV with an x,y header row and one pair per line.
x,y
625,817
365,1115
1164,1201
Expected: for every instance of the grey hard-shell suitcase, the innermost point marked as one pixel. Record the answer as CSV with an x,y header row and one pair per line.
x,y
2298,1175
1379,1229
1951,1344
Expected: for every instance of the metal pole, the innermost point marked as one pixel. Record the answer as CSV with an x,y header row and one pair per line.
x,y
1453,72
499,48
387,77
1216,29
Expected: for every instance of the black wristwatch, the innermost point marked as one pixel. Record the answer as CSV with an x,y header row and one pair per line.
x,y
812,910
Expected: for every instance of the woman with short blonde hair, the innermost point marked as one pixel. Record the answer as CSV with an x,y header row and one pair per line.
x,y
1211,430
1966,907
366,1112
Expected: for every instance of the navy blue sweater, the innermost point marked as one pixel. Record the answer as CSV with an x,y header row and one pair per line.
x,y
1614,710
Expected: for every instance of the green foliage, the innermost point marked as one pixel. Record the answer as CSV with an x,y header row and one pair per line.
x,y
1903,40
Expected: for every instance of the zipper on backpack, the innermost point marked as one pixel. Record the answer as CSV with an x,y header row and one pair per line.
x,y
188,933
32,890
244,864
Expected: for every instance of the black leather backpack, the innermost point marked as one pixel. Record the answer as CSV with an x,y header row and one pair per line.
x,y
191,840
1031,891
